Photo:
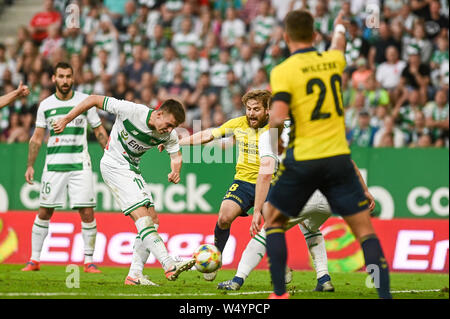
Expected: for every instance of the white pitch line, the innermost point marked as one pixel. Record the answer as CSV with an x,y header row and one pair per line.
x,y
52,294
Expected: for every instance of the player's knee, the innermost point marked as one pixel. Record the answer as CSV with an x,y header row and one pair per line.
x,y
224,221
87,214
45,213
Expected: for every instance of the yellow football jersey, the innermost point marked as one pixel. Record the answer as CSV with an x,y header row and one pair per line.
x,y
310,82
247,166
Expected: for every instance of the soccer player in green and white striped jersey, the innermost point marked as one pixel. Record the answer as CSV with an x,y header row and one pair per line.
x,y
137,129
67,166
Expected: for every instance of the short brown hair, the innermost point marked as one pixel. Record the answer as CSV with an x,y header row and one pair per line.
x,y
175,108
262,96
299,26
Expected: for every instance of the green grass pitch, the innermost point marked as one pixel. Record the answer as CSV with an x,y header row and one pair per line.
x,y
50,282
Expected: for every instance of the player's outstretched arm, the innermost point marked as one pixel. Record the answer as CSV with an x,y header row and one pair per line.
x,y
21,91
201,137
86,104
266,169
176,161
338,41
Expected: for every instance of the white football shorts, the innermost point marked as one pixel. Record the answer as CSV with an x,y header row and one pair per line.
x,y
55,186
128,188
314,214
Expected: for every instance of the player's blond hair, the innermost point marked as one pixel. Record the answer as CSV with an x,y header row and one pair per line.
x,y
262,96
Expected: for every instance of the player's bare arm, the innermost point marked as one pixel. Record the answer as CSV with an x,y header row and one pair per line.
x,y
101,135
33,150
21,91
89,102
202,137
338,41
176,161
366,189
278,113
266,169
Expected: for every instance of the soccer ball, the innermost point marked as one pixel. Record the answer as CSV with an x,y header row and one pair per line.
x,y
207,258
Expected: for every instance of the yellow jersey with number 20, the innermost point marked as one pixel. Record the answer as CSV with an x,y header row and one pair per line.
x,y
310,82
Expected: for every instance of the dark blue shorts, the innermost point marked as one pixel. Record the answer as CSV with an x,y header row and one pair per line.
x,y
243,193
334,176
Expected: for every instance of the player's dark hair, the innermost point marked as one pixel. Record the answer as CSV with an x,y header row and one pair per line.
x,y
262,96
175,108
62,65
299,26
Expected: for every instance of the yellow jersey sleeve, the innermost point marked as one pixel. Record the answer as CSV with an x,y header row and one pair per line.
x,y
281,90
339,57
227,129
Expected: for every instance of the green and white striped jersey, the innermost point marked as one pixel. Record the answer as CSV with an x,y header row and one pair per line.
x,y
263,28
68,150
131,135
181,43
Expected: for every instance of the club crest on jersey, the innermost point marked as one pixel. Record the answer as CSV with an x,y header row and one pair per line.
x,y
124,135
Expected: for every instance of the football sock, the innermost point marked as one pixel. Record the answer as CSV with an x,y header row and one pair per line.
x,y
89,234
221,237
153,242
316,247
277,254
39,232
140,256
373,255
252,255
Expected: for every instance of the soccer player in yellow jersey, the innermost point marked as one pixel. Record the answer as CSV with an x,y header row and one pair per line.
x,y
307,87
246,130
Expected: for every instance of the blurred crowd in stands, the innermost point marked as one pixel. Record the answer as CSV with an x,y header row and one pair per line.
x,y
208,54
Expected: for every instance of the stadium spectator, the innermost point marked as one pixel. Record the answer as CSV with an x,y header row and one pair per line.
x,y
137,67
246,67
419,41
128,41
384,40
128,17
356,45
232,28
374,94
164,68
193,66
157,43
218,72
363,134
351,113
388,73
436,24
261,26
419,129
437,117
361,74
389,135
404,114
41,21
52,42
185,38
416,74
